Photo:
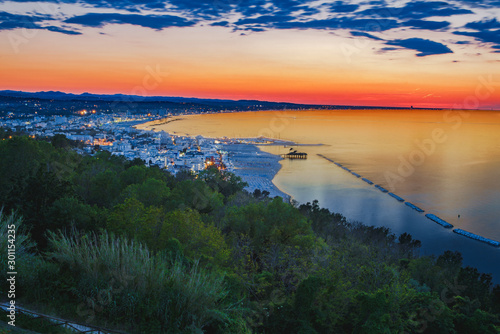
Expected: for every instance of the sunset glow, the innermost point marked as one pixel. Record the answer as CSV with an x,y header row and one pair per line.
x,y
395,53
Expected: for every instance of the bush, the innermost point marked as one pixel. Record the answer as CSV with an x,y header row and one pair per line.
x,y
121,279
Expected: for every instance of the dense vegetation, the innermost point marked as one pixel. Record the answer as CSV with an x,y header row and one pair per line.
x,y
110,242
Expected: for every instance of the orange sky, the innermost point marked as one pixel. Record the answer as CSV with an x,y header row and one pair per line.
x,y
304,66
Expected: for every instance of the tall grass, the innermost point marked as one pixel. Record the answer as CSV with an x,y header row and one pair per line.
x,y
22,240
23,246
121,279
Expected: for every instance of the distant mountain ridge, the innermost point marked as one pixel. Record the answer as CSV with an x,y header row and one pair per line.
x,y
175,102
56,95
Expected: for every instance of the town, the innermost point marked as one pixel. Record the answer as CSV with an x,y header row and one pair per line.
x,y
115,133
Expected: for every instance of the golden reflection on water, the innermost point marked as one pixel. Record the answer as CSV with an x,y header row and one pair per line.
x,y
445,160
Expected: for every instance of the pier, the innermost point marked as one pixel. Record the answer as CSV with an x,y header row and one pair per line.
x,y
294,155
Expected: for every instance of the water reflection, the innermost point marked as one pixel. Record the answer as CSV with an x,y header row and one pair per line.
x,y
446,162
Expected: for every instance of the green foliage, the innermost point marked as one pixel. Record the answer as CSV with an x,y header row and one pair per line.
x,y
150,192
196,195
270,223
120,279
157,228
69,212
195,253
225,183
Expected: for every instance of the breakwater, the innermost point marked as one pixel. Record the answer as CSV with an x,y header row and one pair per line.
x,y
438,220
430,216
477,237
396,197
414,207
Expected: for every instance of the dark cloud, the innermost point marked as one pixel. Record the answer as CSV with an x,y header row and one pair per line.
x,y
489,36
487,31
11,21
63,31
369,25
255,29
425,47
428,25
422,9
266,19
342,7
484,25
416,10
482,3
365,34
362,18
220,24
157,22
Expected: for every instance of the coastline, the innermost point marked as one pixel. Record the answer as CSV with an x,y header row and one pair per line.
x,y
257,168
348,195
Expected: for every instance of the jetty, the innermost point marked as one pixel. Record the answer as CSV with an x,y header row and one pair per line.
x,y
367,181
294,155
414,207
396,197
438,220
477,237
430,216
382,189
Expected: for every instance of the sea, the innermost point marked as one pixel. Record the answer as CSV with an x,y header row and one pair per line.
x,y
446,162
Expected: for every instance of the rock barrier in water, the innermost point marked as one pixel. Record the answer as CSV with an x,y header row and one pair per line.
x,y
438,220
414,207
430,216
396,197
367,181
382,189
477,237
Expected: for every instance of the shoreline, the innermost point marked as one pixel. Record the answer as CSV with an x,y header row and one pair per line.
x,y
398,218
255,167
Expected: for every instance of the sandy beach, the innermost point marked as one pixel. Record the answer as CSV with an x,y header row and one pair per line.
x,y
256,168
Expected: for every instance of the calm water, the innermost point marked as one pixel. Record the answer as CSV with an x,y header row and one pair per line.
x,y
447,163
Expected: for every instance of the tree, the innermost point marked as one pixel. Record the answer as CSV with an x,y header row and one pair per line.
x,y
60,141
198,240
150,192
69,212
223,182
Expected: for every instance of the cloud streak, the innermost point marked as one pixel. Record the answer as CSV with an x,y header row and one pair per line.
x,y
361,20
425,47
157,22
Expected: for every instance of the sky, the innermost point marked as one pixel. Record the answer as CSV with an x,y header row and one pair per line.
x,y
439,54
